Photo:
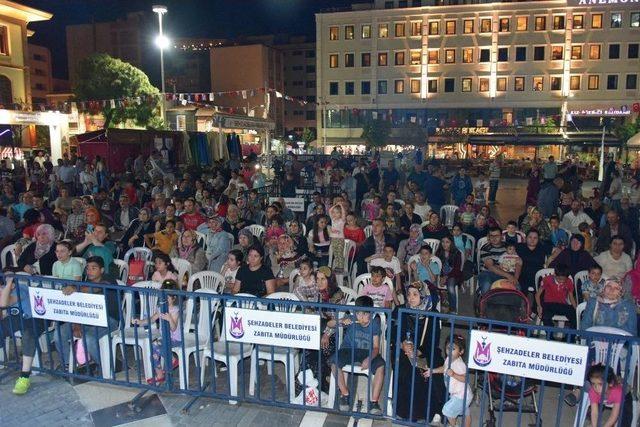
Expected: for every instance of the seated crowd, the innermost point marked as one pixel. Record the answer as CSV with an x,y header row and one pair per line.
x,y
374,237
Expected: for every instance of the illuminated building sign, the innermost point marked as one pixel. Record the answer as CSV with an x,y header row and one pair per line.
x,y
602,2
621,111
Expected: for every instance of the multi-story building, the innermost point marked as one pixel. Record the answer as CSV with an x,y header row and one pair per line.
x,y
128,39
244,70
188,64
40,69
473,65
15,86
299,58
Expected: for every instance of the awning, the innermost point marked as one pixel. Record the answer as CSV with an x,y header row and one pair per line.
x,y
634,142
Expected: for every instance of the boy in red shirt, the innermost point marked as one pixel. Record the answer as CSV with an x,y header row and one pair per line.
x,y
557,297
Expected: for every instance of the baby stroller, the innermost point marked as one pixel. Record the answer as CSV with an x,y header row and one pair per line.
x,y
509,305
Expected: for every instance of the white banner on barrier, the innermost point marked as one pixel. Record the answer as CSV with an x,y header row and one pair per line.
x,y
528,357
281,329
296,204
52,304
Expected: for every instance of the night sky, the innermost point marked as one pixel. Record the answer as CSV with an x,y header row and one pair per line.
x,y
186,18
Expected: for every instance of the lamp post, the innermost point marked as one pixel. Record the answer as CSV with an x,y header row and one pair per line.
x,y
161,41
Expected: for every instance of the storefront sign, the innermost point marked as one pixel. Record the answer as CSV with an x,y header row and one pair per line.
x,y
303,191
52,304
621,111
282,329
243,123
615,3
462,131
528,357
295,204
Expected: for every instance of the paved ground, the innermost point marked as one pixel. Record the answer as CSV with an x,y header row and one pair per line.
x,y
55,402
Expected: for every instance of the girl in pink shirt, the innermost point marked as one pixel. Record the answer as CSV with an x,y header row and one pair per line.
x,y
612,394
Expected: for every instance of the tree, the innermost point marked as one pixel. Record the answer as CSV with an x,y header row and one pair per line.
x,y
308,135
376,132
625,132
101,77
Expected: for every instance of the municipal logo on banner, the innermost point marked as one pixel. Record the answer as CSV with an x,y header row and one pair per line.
x,y
38,304
79,307
277,328
528,357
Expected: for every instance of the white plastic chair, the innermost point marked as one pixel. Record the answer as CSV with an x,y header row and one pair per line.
x,y
231,353
201,239
272,354
368,231
141,253
434,244
579,310
141,337
123,268
292,279
11,251
82,261
448,214
184,270
349,294
540,275
580,278
257,231
472,280
208,280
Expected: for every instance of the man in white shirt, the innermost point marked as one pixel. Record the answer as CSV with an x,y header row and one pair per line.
x,y
614,262
421,207
576,216
550,169
390,263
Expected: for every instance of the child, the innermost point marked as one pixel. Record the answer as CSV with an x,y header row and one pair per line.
x,y
254,205
164,269
380,293
165,240
360,345
593,286
559,237
468,215
455,372
511,234
510,261
274,230
557,290
585,231
66,267
613,396
305,283
230,269
338,214
391,265
372,209
173,317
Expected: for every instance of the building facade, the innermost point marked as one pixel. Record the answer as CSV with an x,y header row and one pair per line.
x,y
15,86
299,57
472,65
41,78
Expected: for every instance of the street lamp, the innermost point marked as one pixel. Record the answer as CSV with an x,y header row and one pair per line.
x,y
161,41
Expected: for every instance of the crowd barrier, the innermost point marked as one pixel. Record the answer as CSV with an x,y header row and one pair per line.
x,y
228,349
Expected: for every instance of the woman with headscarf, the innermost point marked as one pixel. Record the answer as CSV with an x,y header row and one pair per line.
x,y
574,255
491,221
43,251
535,220
245,241
419,332
284,257
479,229
435,229
189,249
139,227
533,187
243,209
451,273
294,230
611,309
218,243
235,222
631,288
411,246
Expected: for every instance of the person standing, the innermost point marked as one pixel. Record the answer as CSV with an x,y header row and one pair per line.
x,y
550,169
494,180
461,187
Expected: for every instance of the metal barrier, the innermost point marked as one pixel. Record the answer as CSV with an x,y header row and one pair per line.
x,y
128,355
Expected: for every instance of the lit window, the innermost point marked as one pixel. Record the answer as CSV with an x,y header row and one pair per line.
x,y
557,52
541,23
501,84
616,20
574,83
4,41
434,28
596,21
558,22
468,26
522,23
399,58
416,57
538,84
634,20
449,56
349,32
518,84
578,22
333,60
415,85
334,33
382,59
432,86
416,28
485,25
400,29
576,52
398,86
434,56
593,82
450,28
466,84
467,55
383,31
365,33
556,83
483,84
504,25
594,51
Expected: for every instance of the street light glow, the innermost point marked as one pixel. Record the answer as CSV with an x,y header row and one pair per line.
x,y
158,8
162,42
